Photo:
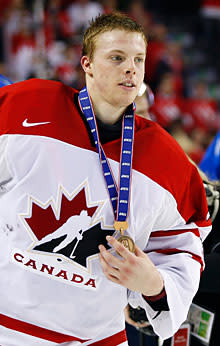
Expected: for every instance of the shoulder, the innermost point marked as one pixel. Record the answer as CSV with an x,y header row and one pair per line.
x,y
161,159
159,156
35,87
34,100
154,137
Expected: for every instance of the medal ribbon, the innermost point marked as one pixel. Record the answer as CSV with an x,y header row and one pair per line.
x,y
119,198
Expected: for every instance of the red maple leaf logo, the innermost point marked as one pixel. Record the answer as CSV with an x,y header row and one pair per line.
x,y
43,220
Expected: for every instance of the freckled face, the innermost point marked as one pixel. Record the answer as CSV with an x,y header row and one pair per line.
x,y
117,67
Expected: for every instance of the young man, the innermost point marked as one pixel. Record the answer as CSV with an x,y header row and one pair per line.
x,y
98,207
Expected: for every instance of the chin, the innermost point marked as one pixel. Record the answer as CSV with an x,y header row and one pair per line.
x,y
127,100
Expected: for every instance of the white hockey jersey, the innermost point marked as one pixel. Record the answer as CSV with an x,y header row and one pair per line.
x,y
55,211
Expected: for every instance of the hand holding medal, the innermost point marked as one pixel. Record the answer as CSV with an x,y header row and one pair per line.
x,y
134,271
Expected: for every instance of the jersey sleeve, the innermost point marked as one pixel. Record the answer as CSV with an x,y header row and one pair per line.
x,y
177,252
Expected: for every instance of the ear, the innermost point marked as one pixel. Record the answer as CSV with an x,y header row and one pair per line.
x,y
86,65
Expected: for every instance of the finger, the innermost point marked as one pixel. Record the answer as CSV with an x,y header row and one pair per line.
x,y
107,274
138,252
119,248
109,258
113,279
143,324
131,322
108,270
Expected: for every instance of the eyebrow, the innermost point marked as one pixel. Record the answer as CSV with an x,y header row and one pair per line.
x,y
122,52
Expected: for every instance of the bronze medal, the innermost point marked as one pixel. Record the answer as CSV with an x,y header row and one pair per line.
x,y
127,242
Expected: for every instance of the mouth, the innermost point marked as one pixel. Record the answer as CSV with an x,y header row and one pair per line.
x,y
128,85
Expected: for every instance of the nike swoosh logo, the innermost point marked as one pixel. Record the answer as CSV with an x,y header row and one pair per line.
x,y
27,124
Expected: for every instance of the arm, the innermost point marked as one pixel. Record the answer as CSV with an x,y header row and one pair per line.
x,y
173,257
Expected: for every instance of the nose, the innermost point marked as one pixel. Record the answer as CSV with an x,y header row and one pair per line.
x,y
130,67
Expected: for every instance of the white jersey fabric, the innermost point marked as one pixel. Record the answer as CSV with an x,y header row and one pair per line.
x,y
55,211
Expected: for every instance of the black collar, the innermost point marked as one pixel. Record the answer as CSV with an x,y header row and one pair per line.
x,y
107,133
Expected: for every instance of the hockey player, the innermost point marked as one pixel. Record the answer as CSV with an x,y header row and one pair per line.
x,y
68,156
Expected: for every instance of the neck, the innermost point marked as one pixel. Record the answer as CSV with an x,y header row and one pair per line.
x,y
107,115
104,111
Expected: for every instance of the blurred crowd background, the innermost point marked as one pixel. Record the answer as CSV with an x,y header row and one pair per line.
x,y
42,38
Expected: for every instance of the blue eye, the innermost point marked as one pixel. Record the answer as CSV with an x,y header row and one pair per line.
x,y
116,58
139,59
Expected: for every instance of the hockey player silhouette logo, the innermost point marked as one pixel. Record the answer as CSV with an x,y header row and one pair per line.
x,y
73,236
71,229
